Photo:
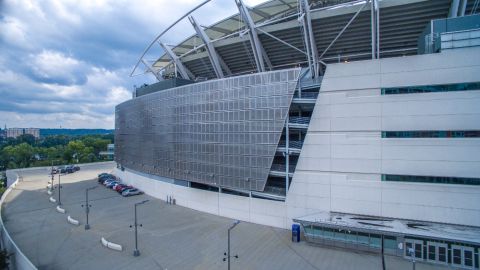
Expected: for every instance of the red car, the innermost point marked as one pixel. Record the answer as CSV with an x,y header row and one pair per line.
x,y
122,187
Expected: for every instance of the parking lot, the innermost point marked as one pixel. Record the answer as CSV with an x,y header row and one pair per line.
x,y
172,237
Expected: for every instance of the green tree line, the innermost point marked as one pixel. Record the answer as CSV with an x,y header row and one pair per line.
x,y
26,151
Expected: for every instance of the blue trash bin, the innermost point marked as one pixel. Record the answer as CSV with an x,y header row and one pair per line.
x,y
295,232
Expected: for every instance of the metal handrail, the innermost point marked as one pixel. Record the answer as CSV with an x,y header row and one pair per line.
x,y
291,144
282,168
306,95
302,120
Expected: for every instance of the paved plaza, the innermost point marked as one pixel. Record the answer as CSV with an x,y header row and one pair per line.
x,y
172,237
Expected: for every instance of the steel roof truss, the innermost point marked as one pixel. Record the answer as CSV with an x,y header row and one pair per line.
x,y
150,69
184,72
212,53
309,39
257,48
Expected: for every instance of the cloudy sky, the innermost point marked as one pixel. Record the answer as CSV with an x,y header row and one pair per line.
x,y
67,62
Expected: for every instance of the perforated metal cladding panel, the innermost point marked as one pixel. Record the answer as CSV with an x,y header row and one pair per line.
x,y
219,132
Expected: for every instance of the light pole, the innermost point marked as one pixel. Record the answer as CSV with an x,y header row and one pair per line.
x,y
59,188
87,206
228,248
411,252
136,252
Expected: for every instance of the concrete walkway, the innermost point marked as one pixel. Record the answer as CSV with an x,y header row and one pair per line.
x,y
172,237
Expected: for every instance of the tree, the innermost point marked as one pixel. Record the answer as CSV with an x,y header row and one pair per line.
x,y
4,259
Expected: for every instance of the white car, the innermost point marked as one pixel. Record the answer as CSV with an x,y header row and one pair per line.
x,y
131,192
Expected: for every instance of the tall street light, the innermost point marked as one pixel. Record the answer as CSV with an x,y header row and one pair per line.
x,y
59,188
136,252
228,248
87,206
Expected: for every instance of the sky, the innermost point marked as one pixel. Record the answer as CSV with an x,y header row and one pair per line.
x,y
67,63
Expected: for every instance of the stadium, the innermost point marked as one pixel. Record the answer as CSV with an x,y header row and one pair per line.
x,y
358,120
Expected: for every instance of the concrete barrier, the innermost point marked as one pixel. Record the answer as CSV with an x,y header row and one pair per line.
x,y
18,260
111,245
60,210
73,221
52,200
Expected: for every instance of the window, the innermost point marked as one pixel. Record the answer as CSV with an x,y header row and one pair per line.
x,y
431,179
414,247
363,238
462,256
432,134
375,241
431,88
437,252
390,242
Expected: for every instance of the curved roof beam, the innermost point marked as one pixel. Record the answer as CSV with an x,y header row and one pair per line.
x,y
184,72
215,58
257,48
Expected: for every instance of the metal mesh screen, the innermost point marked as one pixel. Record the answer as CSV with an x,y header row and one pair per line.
x,y
221,132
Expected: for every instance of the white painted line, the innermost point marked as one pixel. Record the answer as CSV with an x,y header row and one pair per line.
x,y
111,245
60,210
72,221
52,200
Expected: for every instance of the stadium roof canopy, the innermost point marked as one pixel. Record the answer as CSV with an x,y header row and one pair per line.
x,y
288,33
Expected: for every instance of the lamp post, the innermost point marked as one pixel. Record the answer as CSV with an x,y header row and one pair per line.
x,y
87,206
228,243
136,252
59,188
411,252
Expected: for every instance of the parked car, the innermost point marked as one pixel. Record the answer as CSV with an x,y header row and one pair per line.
x,y
115,186
104,181
62,169
108,181
111,184
76,168
120,188
54,170
131,192
103,174
69,169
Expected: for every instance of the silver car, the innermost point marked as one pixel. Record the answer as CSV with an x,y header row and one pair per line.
x,y
131,192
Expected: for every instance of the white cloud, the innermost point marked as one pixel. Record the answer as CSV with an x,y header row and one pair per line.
x,y
56,66
67,62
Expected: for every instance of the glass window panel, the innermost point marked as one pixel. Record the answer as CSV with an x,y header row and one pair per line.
x,y
442,254
375,241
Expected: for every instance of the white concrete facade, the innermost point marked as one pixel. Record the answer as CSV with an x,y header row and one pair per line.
x,y
265,212
344,155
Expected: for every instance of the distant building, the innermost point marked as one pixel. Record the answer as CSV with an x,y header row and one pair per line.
x,y
110,151
15,132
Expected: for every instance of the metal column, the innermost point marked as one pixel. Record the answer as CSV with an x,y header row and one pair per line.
x,y
212,53
159,78
257,48
310,44
454,9
287,158
178,63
